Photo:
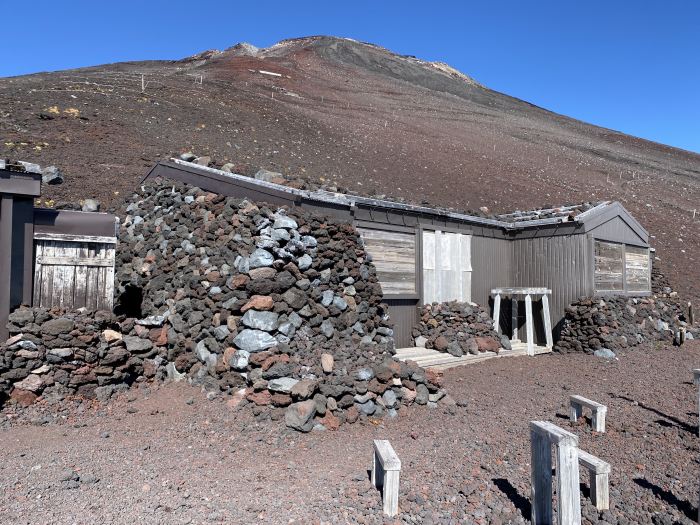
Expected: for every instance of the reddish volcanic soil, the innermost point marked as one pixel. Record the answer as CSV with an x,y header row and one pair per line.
x,y
352,115
167,455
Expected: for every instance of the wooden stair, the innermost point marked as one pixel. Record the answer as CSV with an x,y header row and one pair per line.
x,y
428,358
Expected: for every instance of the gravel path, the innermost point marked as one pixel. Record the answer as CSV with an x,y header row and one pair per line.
x,y
167,455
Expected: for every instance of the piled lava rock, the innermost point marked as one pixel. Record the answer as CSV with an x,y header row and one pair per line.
x,y
279,307
55,354
457,328
610,324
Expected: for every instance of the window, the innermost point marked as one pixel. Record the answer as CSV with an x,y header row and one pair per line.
x,y
621,268
637,272
447,267
394,257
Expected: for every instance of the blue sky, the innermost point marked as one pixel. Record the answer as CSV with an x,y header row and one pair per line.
x,y
633,66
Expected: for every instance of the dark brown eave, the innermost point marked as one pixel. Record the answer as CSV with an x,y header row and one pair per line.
x,y
73,223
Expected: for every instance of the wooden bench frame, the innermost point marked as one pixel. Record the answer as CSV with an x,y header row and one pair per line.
x,y
544,435
599,472
386,468
576,404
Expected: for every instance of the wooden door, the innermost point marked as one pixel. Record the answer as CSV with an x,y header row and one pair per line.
x,y
73,272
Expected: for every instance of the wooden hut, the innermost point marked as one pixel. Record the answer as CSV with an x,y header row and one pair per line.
x,y
50,257
424,255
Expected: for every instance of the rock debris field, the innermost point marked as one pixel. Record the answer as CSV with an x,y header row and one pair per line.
x,y
165,454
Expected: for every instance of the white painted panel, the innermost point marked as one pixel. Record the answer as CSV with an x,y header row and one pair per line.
x,y
446,267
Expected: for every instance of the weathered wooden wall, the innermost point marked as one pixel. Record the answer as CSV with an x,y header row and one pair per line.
x,y
73,273
637,269
394,256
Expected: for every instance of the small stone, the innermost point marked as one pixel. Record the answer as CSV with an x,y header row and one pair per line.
x,y
282,384
300,416
327,363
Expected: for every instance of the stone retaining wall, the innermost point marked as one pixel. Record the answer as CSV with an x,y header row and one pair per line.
x,y
457,328
273,306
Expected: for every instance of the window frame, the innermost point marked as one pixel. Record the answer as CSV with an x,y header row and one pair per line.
x,y
625,289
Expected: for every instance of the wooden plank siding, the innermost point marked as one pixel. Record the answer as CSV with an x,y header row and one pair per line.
x,y
74,274
394,256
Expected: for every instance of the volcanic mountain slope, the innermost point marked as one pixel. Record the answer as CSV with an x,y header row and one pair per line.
x,y
352,115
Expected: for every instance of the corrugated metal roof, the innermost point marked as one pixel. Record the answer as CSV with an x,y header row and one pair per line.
x,y
512,221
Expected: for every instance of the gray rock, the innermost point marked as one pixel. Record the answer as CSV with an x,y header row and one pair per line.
x,y
282,384
422,394
283,221
300,416
136,344
260,258
63,353
304,262
21,316
367,408
153,320
188,157
91,205
389,398
364,374
51,175
309,241
239,361
279,235
204,355
295,298
287,329
327,297
296,320
204,160
58,326
505,343
254,340
267,176
267,321
605,353
453,348
221,332
173,374
420,341
340,303
327,328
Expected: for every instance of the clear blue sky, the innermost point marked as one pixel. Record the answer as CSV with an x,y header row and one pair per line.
x,y
629,65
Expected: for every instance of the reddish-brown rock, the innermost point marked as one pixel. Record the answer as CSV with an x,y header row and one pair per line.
x,y
261,398
23,397
259,302
330,421
488,344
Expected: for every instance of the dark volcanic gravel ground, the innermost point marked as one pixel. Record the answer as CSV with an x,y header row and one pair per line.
x,y
167,455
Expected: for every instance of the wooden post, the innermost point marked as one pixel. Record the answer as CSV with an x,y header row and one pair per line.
x,y
386,468
543,435
547,321
541,476
600,490
690,313
514,317
529,325
497,313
